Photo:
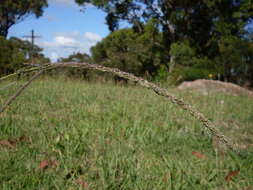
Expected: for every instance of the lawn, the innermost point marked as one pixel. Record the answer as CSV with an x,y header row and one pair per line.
x,y
71,134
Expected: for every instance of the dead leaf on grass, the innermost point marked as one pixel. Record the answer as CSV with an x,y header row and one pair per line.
x,y
199,155
231,174
8,143
45,164
12,143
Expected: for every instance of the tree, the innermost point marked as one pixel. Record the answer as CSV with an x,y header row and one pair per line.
x,y
32,53
14,52
129,51
200,25
77,58
10,56
118,50
198,22
12,12
235,60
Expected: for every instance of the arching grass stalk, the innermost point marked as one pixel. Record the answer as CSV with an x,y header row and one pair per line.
x,y
162,92
19,91
158,90
21,71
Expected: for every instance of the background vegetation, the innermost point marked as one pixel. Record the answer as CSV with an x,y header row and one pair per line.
x,y
170,40
14,53
183,40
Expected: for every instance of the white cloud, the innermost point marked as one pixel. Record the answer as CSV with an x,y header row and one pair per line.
x,y
92,36
64,44
63,40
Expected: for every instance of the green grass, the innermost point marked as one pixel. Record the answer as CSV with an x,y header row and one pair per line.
x,y
118,137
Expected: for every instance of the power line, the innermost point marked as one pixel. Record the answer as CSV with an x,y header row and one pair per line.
x,y
32,37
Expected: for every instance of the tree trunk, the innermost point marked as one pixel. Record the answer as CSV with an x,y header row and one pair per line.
x,y
173,40
172,63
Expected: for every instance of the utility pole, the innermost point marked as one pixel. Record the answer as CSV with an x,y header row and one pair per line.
x,y
32,37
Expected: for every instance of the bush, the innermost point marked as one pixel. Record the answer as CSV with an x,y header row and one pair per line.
x,y
182,53
11,57
188,66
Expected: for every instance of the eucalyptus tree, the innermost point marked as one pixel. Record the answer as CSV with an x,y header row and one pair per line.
x,y
192,20
130,51
203,26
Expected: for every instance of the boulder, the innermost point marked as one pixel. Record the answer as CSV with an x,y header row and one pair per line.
x,y
208,86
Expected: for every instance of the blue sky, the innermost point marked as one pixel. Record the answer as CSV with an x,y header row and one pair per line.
x,y
64,29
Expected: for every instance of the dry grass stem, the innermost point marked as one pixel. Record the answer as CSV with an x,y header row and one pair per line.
x,y
21,71
144,83
19,91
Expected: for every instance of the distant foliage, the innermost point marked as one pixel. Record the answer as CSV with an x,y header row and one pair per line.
x,y
75,72
189,39
11,57
235,59
77,58
15,52
131,51
183,53
188,65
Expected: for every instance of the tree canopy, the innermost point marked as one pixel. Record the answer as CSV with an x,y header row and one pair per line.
x,y
130,51
182,39
175,12
14,52
196,21
76,58
195,36
12,12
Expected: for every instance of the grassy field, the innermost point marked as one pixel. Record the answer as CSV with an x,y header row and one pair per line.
x,y
70,134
